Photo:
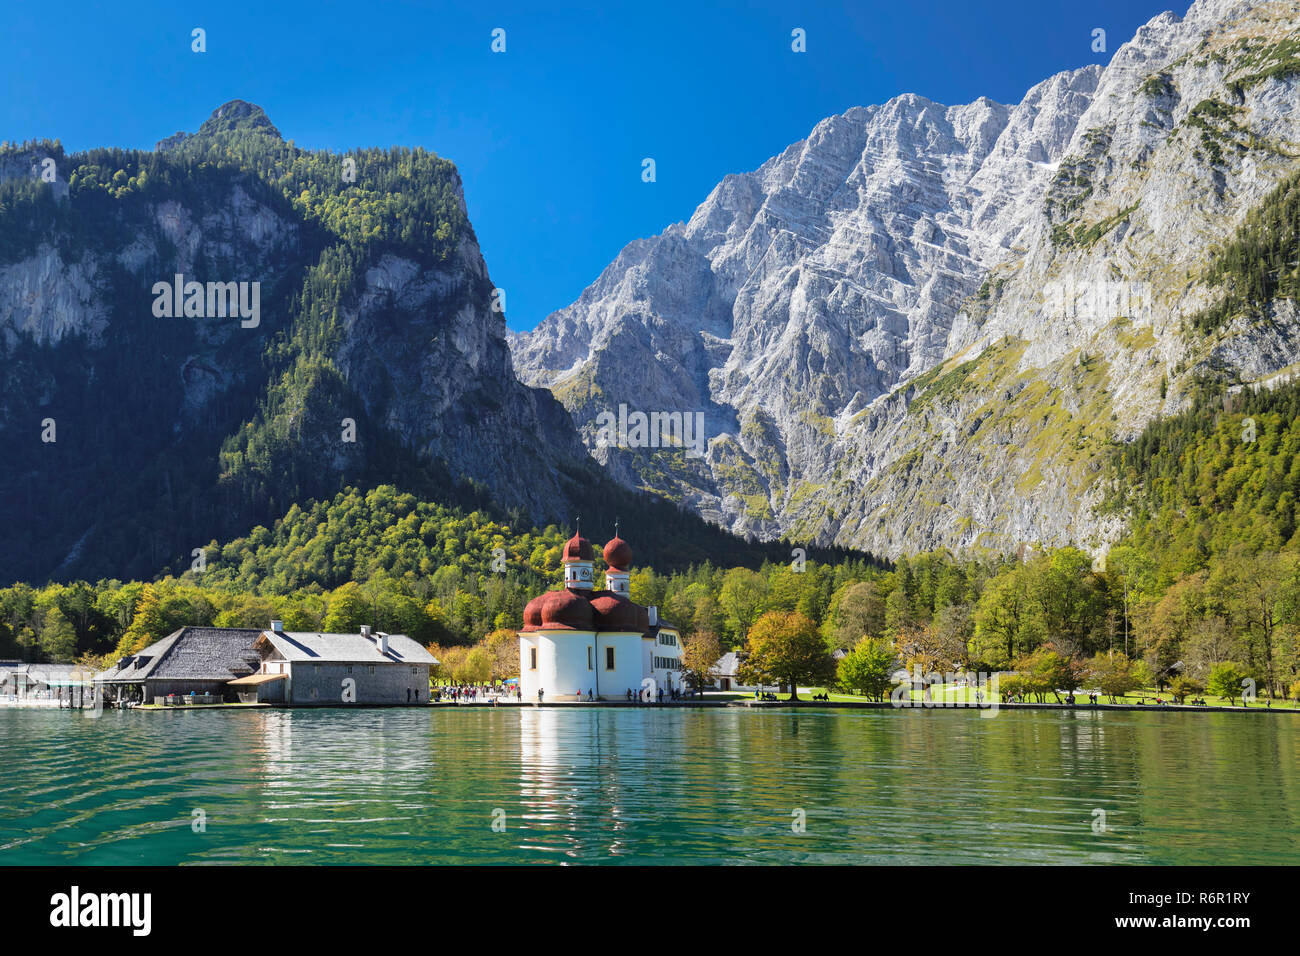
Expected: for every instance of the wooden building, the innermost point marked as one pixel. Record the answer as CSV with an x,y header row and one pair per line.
x,y
44,681
192,660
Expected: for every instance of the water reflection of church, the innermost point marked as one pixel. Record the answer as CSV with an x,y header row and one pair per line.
x,y
580,642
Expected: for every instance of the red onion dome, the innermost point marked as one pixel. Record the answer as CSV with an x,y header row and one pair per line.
x,y
616,613
562,609
578,548
618,554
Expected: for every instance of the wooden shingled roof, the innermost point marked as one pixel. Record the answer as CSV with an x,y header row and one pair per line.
x,y
191,653
210,653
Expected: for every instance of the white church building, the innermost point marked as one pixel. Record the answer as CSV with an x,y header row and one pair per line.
x,y
580,643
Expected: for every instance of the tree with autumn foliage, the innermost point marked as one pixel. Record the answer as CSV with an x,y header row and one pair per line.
x,y
700,651
1115,674
1046,671
147,624
785,647
502,649
1183,687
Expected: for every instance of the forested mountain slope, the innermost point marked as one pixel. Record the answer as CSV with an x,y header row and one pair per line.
x,y
357,344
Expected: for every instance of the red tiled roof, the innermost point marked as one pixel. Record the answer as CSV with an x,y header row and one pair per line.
x,y
616,613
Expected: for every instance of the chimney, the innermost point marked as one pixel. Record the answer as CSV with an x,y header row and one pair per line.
x,y
383,643
365,630
277,627
653,610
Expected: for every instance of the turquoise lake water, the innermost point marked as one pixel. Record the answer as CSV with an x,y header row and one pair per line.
x,y
599,785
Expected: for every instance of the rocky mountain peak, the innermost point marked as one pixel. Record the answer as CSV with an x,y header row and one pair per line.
x,y
239,115
236,115
922,325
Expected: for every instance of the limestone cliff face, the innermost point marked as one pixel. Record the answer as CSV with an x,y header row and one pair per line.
x,y
428,359
47,298
923,325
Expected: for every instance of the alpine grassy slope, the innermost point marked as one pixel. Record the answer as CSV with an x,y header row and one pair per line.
x,y
928,326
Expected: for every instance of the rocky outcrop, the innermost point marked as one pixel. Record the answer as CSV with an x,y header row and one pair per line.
x,y
46,298
428,359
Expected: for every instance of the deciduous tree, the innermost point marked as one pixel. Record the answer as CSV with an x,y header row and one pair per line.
x,y
868,668
700,651
784,647
1226,679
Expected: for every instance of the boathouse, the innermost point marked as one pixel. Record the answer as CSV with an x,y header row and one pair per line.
x,y
273,666
198,661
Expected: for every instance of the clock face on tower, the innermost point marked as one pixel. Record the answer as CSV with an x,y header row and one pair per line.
x,y
585,574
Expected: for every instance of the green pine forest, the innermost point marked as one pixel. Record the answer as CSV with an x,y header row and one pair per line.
x,y
129,465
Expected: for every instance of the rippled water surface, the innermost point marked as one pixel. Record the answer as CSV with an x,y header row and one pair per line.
x,y
592,785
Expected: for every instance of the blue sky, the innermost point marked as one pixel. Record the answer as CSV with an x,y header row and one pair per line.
x,y
550,135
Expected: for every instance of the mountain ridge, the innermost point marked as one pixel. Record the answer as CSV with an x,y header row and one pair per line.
x,y
376,356
805,306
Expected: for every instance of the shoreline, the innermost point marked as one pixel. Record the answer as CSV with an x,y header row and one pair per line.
x,y
888,705
698,704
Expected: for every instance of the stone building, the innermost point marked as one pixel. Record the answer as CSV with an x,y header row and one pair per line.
x,y
311,669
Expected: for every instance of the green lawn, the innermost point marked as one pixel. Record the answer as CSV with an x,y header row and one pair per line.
x,y
949,693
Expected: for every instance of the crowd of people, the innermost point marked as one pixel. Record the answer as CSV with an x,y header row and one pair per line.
x,y
476,693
